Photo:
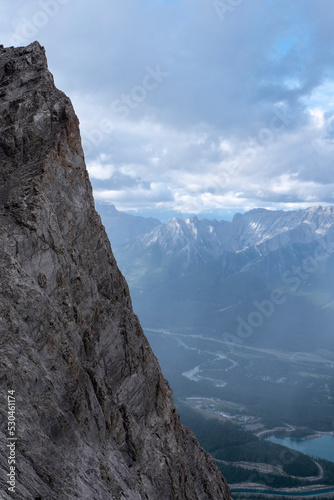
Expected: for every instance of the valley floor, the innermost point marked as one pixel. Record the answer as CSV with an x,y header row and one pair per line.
x,y
274,469
256,491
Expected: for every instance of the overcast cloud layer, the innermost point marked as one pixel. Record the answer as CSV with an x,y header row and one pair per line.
x,y
195,106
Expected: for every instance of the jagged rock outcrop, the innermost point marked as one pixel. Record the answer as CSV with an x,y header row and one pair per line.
x,y
95,417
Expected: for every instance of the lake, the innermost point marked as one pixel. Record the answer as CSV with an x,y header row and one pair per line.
x,y
322,447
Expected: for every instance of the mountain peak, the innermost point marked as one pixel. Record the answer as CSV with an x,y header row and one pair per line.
x,y
97,419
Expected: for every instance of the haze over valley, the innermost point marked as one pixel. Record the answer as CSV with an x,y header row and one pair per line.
x,y
240,315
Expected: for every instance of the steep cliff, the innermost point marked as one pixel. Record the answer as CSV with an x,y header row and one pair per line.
x,y
95,418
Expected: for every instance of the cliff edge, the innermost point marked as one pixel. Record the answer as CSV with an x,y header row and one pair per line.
x,y
94,417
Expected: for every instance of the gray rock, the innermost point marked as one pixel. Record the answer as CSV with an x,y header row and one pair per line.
x,y
95,418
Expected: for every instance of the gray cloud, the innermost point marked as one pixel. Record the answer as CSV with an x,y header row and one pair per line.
x,y
176,102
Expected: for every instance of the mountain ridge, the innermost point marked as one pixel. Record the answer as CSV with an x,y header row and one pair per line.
x,y
122,227
186,244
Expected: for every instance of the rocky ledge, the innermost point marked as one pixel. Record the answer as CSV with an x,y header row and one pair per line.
x,y
95,419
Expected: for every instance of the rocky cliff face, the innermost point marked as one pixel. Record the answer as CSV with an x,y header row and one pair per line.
x,y
95,418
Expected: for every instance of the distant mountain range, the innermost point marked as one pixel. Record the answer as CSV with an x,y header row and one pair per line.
x,y
121,227
187,244
266,272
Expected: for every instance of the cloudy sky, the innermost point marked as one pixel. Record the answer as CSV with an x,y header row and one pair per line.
x,y
205,107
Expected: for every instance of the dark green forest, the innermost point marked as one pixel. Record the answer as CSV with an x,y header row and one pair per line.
x,y
228,442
